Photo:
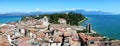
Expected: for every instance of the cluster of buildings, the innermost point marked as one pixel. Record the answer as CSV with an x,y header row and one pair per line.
x,y
96,41
40,32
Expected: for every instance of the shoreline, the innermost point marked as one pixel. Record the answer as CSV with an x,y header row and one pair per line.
x,y
82,20
84,27
93,31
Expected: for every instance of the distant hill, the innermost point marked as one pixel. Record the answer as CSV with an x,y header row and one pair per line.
x,y
93,12
25,14
84,12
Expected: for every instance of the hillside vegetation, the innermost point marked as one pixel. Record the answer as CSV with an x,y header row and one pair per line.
x,y
72,18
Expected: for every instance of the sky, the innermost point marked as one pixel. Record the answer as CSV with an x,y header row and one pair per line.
x,y
58,5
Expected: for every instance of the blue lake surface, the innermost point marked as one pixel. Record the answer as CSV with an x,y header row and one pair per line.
x,y
107,25
6,19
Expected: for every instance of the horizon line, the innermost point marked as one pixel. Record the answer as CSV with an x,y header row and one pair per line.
x,y
55,10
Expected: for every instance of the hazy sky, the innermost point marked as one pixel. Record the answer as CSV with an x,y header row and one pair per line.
x,y
57,5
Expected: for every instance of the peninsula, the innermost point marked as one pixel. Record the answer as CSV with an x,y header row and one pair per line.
x,y
70,17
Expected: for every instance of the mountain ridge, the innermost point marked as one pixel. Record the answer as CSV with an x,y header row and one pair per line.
x,y
84,12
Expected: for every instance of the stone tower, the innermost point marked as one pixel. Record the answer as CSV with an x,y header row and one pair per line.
x,y
45,21
88,28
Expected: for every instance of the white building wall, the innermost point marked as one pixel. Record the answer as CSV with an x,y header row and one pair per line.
x,y
55,44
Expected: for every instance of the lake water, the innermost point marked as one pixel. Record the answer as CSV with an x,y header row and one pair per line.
x,y
6,19
108,25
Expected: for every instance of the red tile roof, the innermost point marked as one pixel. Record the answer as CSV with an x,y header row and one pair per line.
x,y
85,37
67,34
33,31
4,44
23,43
61,19
40,35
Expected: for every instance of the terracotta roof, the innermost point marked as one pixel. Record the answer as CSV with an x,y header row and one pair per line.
x,y
30,26
33,31
87,37
4,27
4,44
58,29
23,43
67,34
61,19
2,30
59,25
3,41
10,32
21,39
39,23
98,38
40,35
56,38
84,37
47,31
73,43
40,26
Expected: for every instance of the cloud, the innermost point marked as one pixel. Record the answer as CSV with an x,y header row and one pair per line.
x,y
72,8
37,9
92,9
